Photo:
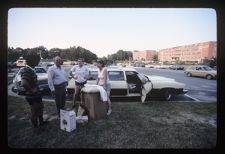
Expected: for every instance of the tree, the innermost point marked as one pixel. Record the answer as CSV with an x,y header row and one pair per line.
x,y
213,62
120,55
155,58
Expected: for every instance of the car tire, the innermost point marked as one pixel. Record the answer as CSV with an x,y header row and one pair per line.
x,y
189,74
209,77
143,95
167,94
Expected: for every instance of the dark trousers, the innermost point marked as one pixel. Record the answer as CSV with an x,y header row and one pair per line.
x,y
60,97
36,113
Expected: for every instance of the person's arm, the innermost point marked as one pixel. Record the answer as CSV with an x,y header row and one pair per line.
x,y
50,80
87,74
73,70
105,76
27,86
67,77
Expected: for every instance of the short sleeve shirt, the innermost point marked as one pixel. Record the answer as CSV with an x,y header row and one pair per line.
x,y
27,73
80,73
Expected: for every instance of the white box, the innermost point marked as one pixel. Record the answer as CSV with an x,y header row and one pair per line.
x,y
82,119
67,120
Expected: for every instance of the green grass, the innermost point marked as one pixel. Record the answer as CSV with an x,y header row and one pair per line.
x,y
131,125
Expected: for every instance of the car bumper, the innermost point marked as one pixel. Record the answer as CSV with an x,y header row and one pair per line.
x,y
185,91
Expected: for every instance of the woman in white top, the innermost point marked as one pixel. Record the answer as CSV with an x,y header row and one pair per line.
x,y
103,80
80,73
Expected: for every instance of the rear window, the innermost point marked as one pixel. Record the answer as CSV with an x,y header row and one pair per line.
x,y
40,70
116,75
93,75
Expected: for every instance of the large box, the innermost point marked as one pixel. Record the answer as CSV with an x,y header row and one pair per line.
x,y
67,120
90,99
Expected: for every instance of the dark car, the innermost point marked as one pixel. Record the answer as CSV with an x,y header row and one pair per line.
x,y
177,67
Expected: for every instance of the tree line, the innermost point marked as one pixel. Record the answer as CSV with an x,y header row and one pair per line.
x,y
72,53
120,55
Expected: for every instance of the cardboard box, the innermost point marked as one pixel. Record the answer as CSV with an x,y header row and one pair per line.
x,y
67,120
90,98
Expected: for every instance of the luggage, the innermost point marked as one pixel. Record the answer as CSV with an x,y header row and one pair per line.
x,y
91,102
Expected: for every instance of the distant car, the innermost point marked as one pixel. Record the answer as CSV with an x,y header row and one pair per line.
x,y
21,63
42,81
12,64
177,67
201,71
127,82
138,64
46,65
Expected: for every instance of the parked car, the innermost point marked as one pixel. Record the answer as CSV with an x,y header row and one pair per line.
x,y
46,65
127,82
42,77
11,64
201,71
138,64
177,67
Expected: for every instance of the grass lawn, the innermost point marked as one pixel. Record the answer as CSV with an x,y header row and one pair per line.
x,y
131,125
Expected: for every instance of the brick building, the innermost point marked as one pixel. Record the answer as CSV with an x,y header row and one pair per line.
x,y
192,53
144,55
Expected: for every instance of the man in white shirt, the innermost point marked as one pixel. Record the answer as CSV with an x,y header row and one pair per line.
x,y
57,81
80,73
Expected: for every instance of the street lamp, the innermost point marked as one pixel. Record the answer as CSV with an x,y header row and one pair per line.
x,y
40,55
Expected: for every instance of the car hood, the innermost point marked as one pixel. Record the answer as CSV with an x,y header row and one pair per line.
x,y
159,78
160,82
42,76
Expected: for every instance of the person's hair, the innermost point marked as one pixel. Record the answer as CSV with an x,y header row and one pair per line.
x,y
100,62
32,59
82,59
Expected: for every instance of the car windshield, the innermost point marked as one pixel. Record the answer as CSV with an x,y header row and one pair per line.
x,y
40,70
207,68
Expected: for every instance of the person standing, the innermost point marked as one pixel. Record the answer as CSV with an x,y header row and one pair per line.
x,y
80,73
103,80
57,81
32,94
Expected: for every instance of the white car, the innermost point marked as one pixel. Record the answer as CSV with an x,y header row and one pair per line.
x,y
42,77
127,82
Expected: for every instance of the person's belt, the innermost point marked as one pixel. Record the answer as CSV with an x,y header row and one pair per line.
x,y
60,85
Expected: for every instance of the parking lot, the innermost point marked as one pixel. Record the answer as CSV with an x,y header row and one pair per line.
x,y
199,89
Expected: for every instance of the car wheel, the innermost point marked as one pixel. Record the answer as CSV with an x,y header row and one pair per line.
x,y
143,95
209,77
13,89
189,74
167,94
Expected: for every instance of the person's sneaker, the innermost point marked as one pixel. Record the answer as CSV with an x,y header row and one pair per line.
x,y
109,112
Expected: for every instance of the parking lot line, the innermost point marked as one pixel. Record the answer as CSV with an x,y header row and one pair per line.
x,y
195,99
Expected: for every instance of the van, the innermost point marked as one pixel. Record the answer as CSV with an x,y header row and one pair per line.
x,y
21,62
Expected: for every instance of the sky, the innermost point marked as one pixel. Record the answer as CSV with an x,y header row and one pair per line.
x,y
104,31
